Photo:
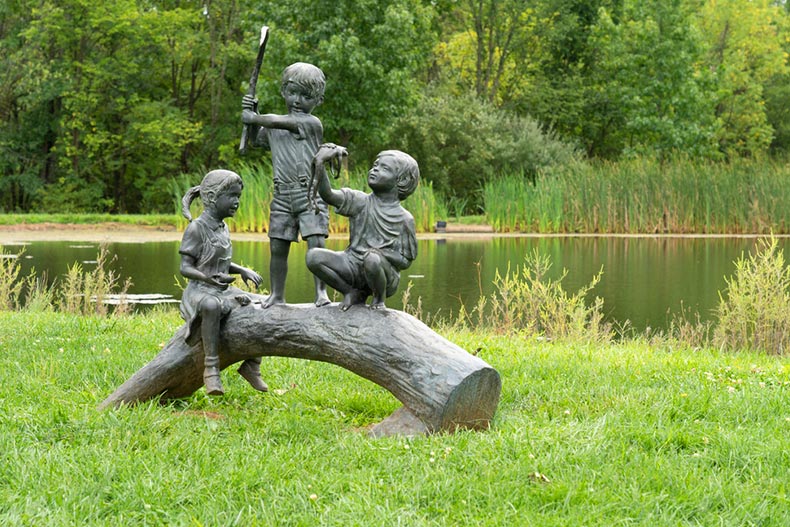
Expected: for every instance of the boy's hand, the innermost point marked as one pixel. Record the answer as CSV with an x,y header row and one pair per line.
x,y
248,102
248,116
329,151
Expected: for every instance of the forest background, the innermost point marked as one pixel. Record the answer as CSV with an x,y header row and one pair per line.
x,y
104,104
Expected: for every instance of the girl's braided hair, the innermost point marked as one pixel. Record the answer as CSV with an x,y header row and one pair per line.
x,y
213,184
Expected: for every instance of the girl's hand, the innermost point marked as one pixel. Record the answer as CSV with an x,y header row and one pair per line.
x,y
223,279
248,275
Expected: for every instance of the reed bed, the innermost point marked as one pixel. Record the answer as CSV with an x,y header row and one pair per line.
x,y
644,196
253,212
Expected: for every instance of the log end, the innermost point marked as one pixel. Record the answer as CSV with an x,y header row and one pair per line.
x,y
473,403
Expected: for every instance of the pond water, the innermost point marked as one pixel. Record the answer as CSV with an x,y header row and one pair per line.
x,y
643,278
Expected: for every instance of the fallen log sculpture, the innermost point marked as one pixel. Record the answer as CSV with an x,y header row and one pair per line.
x,y
441,386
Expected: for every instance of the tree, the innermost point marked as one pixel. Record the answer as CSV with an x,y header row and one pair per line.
x,y
647,92
114,99
747,50
372,52
492,47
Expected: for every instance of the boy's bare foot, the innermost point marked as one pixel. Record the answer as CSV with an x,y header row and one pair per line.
x,y
377,302
322,300
272,300
353,297
251,371
212,381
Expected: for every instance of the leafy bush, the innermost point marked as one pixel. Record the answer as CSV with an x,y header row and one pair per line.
x,y
461,142
755,312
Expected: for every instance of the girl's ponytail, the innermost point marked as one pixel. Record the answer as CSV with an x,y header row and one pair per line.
x,y
187,200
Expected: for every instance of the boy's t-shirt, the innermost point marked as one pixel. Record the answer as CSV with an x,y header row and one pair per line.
x,y
292,154
375,224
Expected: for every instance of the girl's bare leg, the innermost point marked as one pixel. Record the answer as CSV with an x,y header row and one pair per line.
x,y
210,312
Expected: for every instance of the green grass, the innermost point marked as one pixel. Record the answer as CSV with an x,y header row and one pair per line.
x,y
644,196
621,434
152,220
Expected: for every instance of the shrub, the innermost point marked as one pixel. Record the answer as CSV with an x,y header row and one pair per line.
x,y
461,142
754,313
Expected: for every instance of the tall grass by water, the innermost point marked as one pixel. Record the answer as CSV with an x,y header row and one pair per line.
x,y
253,212
644,196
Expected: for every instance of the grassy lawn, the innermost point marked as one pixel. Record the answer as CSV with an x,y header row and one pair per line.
x,y
624,434
149,220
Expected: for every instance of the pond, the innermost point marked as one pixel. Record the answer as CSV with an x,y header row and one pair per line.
x,y
643,277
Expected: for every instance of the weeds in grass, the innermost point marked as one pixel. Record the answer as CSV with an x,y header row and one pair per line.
x,y
754,312
39,293
79,291
84,292
687,327
10,284
527,300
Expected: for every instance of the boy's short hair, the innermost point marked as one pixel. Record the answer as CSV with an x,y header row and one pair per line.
x,y
408,172
307,75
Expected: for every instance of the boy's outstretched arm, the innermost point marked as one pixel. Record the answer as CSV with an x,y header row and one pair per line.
x,y
326,153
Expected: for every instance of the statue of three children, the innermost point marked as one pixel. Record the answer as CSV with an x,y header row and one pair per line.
x,y
382,237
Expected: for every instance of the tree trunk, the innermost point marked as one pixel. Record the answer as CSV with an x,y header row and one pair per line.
x,y
441,386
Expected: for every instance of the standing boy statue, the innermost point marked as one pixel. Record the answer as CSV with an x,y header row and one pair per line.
x,y
382,238
293,140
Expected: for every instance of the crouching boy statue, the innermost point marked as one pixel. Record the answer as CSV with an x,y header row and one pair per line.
x,y
382,235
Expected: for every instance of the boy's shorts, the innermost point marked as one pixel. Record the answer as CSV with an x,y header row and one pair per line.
x,y
290,215
356,263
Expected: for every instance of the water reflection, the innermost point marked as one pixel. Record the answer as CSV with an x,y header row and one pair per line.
x,y
642,279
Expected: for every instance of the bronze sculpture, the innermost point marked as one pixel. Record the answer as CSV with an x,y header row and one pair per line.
x,y
442,387
293,139
206,254
382,236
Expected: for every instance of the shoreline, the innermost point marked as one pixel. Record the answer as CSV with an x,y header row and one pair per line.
x,y
125,233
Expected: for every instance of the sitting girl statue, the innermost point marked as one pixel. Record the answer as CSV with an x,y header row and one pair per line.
x,y
206,261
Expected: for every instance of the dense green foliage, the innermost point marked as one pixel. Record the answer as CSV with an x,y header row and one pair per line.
x,y
463,142
103,105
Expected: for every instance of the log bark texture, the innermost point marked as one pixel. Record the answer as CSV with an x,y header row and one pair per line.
x,y
441,386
